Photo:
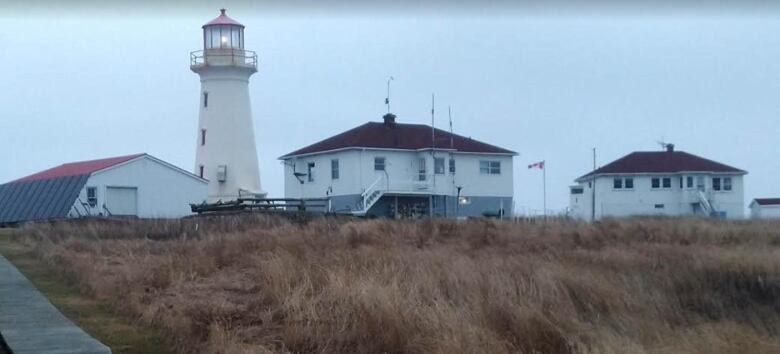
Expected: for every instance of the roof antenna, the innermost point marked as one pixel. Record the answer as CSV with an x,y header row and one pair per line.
x,y
387,99
452,137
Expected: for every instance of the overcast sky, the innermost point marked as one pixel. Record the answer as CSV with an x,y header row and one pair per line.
x,y
91,81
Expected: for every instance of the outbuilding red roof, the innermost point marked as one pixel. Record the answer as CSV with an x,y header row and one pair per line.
x,y
79,168
767,201
223,19
398,136
663,162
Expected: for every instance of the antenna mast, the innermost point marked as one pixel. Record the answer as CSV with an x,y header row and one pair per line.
x,y
452,137
387,99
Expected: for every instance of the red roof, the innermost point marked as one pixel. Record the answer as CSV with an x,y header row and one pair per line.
x,y
79,168
223,19
398,136
767,201
662,162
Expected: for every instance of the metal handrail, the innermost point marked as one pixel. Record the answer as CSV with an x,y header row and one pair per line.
x,y
246,57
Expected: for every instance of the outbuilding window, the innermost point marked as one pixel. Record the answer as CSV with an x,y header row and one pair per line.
x,y
655,182
310,171
667,182
716,183
629,183
617,183
92,196
727,183
452,165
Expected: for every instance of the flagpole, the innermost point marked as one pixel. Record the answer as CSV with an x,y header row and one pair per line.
x,y
544,187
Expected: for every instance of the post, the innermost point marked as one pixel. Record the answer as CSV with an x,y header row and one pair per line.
x,y
544,188
593,190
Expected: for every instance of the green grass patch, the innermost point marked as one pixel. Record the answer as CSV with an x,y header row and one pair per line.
x,y
95,317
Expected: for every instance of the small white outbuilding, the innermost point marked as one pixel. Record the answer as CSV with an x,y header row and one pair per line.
x,y
765,208
137,185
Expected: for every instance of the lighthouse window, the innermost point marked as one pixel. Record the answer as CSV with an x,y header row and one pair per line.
x,y
202,137
205,99
234,37
200,171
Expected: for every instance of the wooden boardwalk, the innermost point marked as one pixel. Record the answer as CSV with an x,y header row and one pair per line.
x,y
30,324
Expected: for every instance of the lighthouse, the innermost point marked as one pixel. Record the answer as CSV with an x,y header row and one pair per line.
x,y
226,154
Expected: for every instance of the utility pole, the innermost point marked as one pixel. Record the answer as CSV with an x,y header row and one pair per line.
x,y
593,190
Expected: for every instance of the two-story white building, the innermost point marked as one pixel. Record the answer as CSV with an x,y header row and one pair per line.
x,y
402,170
672,183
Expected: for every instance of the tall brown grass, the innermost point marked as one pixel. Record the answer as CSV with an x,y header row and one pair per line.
x,y
257,284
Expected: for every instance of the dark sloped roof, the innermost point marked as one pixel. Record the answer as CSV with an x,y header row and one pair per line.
x,y
79,168
223,19
39,199
398,136
767,201
662,162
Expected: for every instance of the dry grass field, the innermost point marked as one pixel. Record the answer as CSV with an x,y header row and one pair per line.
x,y
259,284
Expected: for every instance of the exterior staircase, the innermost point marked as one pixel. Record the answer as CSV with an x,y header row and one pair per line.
x,y
705,203
371,195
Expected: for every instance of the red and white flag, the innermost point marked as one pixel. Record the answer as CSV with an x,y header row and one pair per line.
x,y
539,165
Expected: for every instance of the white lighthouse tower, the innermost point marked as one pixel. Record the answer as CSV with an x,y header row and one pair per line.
x,y
226,154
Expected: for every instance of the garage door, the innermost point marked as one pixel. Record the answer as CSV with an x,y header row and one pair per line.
x,y
122,200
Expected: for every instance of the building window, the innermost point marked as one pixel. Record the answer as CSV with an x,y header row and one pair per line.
x,y
205,99
726,183
310,171
659,206
490,167
617,183
629,183
655,182
438,165
421,175
716,183
379,164
92,196
689,182
200,171
334,169
700,183
577,190
667,182
452,165
202,137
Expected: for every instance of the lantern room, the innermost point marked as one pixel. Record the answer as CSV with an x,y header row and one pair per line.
x,y
223,32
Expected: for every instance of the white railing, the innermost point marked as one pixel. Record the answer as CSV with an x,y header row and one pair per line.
x,y
705,203
372,194
239,57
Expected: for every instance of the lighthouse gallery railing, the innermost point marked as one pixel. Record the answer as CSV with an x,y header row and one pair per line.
x,y
224,56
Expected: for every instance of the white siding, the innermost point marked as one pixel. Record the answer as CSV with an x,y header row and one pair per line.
x,y
162,190
764,211
356,173
642,199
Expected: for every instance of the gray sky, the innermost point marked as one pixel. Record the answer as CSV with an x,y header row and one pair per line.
x,y
90,81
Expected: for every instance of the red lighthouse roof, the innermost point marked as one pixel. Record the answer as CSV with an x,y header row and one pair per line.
x,y
223,19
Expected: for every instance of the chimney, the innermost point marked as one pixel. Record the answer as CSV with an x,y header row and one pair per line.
x,y
670,147
389,119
